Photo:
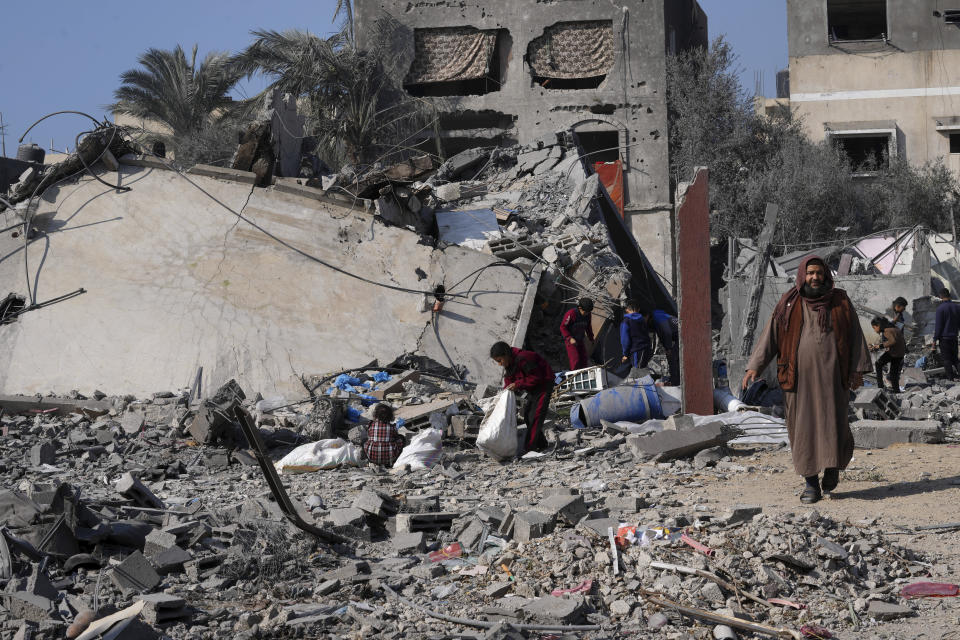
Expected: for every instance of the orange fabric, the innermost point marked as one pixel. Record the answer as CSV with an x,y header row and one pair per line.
x,y
611,175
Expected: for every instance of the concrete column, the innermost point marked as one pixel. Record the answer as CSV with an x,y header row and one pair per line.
x,y
693,294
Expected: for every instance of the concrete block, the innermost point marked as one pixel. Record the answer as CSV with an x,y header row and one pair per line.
x,y
625,504
135,574
293,186
470,536
530,525
146,161
668,445
13,405
879,434
350,517
171,560
568,508
131,487
421,504
377,504
42,453
158,540
554,609
327,587
407,522
29,606
161,608
208,425
132,423
222,173
411,542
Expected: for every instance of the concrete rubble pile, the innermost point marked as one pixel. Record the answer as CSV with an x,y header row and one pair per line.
x,y
150,518
527,204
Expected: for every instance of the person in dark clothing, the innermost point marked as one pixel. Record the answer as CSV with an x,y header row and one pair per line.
x,y
899,306
576,328
635,336
945,333
894,348
667,330
528,372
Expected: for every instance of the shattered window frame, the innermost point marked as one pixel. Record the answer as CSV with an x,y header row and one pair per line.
x,y
846,23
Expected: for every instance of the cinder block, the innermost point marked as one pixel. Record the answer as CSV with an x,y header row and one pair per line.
x,y
135,574
132,488
412,542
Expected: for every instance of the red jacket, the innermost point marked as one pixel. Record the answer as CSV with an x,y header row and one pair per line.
x,y
529,372
576,325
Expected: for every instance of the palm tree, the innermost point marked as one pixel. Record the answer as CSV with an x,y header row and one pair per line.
x,y
357,108
184,97
345,7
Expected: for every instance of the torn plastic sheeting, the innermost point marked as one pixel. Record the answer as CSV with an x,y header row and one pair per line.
x,y
758,428
472,229
320,455
381,376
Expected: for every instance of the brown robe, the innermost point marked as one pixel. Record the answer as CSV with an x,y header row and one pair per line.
x,y
817,424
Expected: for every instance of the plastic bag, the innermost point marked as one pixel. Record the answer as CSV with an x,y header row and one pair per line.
x,y
323,454
422,452
498,431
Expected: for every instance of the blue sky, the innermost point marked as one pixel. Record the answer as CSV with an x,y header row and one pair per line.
x,y
68,55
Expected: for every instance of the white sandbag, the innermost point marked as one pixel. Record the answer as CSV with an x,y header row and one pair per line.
x,y
323,454
671,400
422,452
498,431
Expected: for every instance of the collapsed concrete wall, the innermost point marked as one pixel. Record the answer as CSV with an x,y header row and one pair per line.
x,y
175,281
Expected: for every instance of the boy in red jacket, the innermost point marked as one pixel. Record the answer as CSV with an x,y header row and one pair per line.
x,y
575,329
527,371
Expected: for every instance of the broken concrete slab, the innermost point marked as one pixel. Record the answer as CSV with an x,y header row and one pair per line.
x,y
132,422
17,404
881,610
310,311
554,609
668,445
223,173
879,434
409,542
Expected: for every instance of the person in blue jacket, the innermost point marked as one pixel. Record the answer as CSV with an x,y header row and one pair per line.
x,y
635,336
667,330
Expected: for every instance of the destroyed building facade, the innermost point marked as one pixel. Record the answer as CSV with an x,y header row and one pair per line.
x,y
510,73
878,77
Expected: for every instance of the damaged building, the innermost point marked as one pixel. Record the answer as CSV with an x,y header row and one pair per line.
x,y
501,74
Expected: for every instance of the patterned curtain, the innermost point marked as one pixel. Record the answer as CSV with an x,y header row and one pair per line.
x,y
450,54
573,50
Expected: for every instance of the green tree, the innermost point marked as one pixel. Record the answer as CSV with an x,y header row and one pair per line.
x,y
356,106
188,98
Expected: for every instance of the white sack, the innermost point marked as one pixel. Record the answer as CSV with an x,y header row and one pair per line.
x,y
422,452
323,454
498,431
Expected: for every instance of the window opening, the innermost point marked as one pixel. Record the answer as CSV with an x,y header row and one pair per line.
x,y
856,20
865,153
572,55
955,143
457,61
952,16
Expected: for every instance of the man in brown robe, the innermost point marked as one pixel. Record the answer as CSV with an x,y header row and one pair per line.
x,y
821,356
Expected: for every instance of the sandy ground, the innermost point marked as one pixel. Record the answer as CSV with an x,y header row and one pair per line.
x,y
905,486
